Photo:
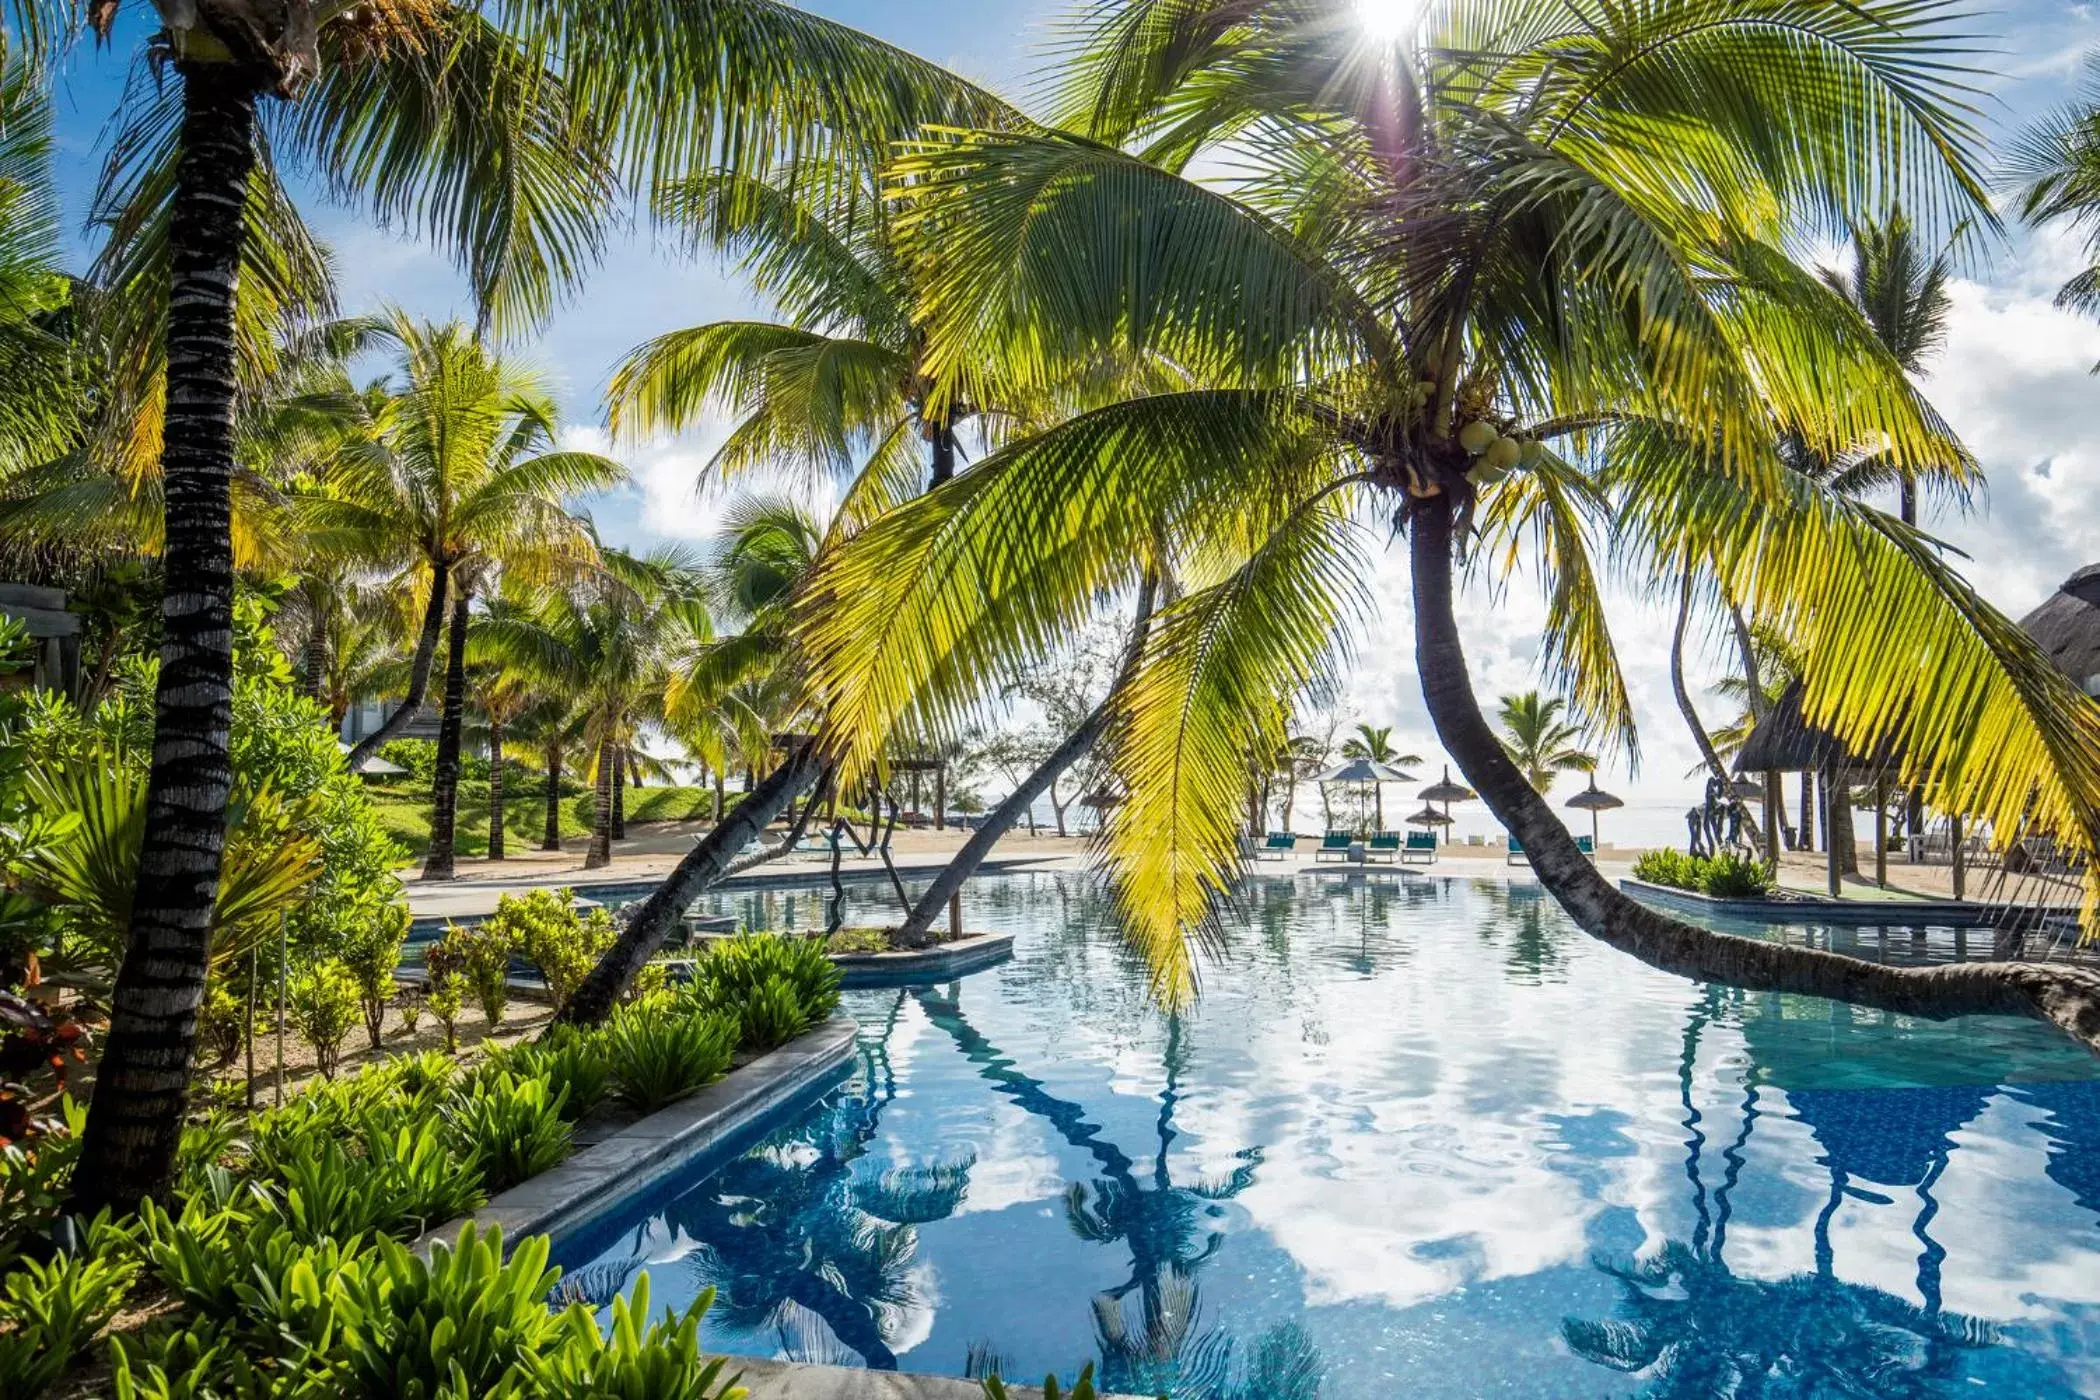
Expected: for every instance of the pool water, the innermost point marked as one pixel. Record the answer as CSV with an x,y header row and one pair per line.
x,y
1420,1138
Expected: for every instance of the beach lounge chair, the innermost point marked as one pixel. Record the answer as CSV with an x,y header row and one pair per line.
x,y
1383,845
1516,854
1585,845
1279,845
1421,848
1334,845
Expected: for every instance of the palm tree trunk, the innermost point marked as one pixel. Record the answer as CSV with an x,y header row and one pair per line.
x,y
702,866
496,851
2068,997
619,793
1707,754
1776,834
1838,824
444,789
550,840
721,795
943,466
1022,799
418,673
314,663
600,853
134,1122
1914,800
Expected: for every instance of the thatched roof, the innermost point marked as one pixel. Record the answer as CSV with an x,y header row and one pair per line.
x,y
1785,741
2068,627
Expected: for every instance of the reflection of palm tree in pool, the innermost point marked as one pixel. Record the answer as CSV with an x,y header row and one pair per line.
x,y
1170,1230
792,1231
1696,1328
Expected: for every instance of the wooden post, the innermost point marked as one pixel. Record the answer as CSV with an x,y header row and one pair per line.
x,y
955,916
1775,801
1961,870
1881,831
940,798
1827,789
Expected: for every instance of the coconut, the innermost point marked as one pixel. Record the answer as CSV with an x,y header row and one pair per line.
x,y
1533,453
1476,435
1484,476
1502,454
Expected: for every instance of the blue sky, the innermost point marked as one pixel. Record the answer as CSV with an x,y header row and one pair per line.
x,y
2014,378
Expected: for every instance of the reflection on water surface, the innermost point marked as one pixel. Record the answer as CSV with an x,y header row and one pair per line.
x,y
1420,1138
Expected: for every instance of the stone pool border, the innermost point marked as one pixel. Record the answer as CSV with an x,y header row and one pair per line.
x,y
937,964
1821,909
607,1174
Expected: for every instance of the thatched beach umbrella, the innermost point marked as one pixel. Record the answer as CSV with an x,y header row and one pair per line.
x,y
1447,792
1429,816
1593,800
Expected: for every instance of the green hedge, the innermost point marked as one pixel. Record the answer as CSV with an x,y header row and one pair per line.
x,y
1725,876
285,1247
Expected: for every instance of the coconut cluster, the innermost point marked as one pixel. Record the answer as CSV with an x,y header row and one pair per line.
x,y
1494,455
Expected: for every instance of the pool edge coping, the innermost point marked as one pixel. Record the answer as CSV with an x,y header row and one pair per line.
x,y
606,1174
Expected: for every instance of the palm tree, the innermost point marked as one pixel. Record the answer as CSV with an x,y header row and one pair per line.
x,y
1540,742
551,726
1375,743
462,483
1454,276
434,117
502,694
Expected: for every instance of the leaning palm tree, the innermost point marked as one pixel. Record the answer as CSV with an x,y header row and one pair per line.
x,y
1540,742
461,483
1455,273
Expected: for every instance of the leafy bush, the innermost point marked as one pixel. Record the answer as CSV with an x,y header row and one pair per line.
x,y
659,1057
636,1357
572,1062
858,940
33,1176
324,1005
461,1323
445,980
53,1309
563,945
371,950
736,970
1667,867
479,956
1725,876
771,1015
511,1128
1733,876
409,1002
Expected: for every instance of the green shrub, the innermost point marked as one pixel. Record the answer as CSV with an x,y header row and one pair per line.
x,y
545,927
660,1359
483,953
371,949
658,1057
772,1014
445,980
33,1176
405,1179
511,1128
1733,876
572,1062
462,1323
53,1308
858,940
324,1005
735,971
409,1001
1667,867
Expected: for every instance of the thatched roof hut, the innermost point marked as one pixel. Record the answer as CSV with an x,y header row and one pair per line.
x,y
2067,626
1785,742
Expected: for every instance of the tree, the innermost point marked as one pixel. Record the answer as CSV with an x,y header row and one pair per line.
x,y
463,484
1454,280
1375,743
1540,742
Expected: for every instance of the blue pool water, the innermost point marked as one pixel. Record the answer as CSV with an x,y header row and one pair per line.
x,y
1420,1138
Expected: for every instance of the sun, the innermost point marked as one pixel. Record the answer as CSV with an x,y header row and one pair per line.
x,y
1387,20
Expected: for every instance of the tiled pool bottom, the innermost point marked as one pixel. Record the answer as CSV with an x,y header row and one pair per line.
x,y
1419,1139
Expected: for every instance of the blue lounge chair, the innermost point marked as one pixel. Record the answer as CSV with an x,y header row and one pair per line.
x,y
1383,845
1421,848
1585,845
1516,854
1335,844
1279,845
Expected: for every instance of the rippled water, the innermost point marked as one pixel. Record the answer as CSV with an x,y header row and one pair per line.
x,y
1420,1138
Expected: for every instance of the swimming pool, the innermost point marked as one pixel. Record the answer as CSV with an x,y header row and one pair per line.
x,y
1420,1138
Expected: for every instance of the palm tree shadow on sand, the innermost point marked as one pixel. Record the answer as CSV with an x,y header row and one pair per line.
x,y
1690,1326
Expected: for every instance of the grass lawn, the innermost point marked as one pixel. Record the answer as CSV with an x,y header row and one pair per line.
x,y
405,809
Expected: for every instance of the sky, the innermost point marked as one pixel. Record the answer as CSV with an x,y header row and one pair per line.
x,y
2014,378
